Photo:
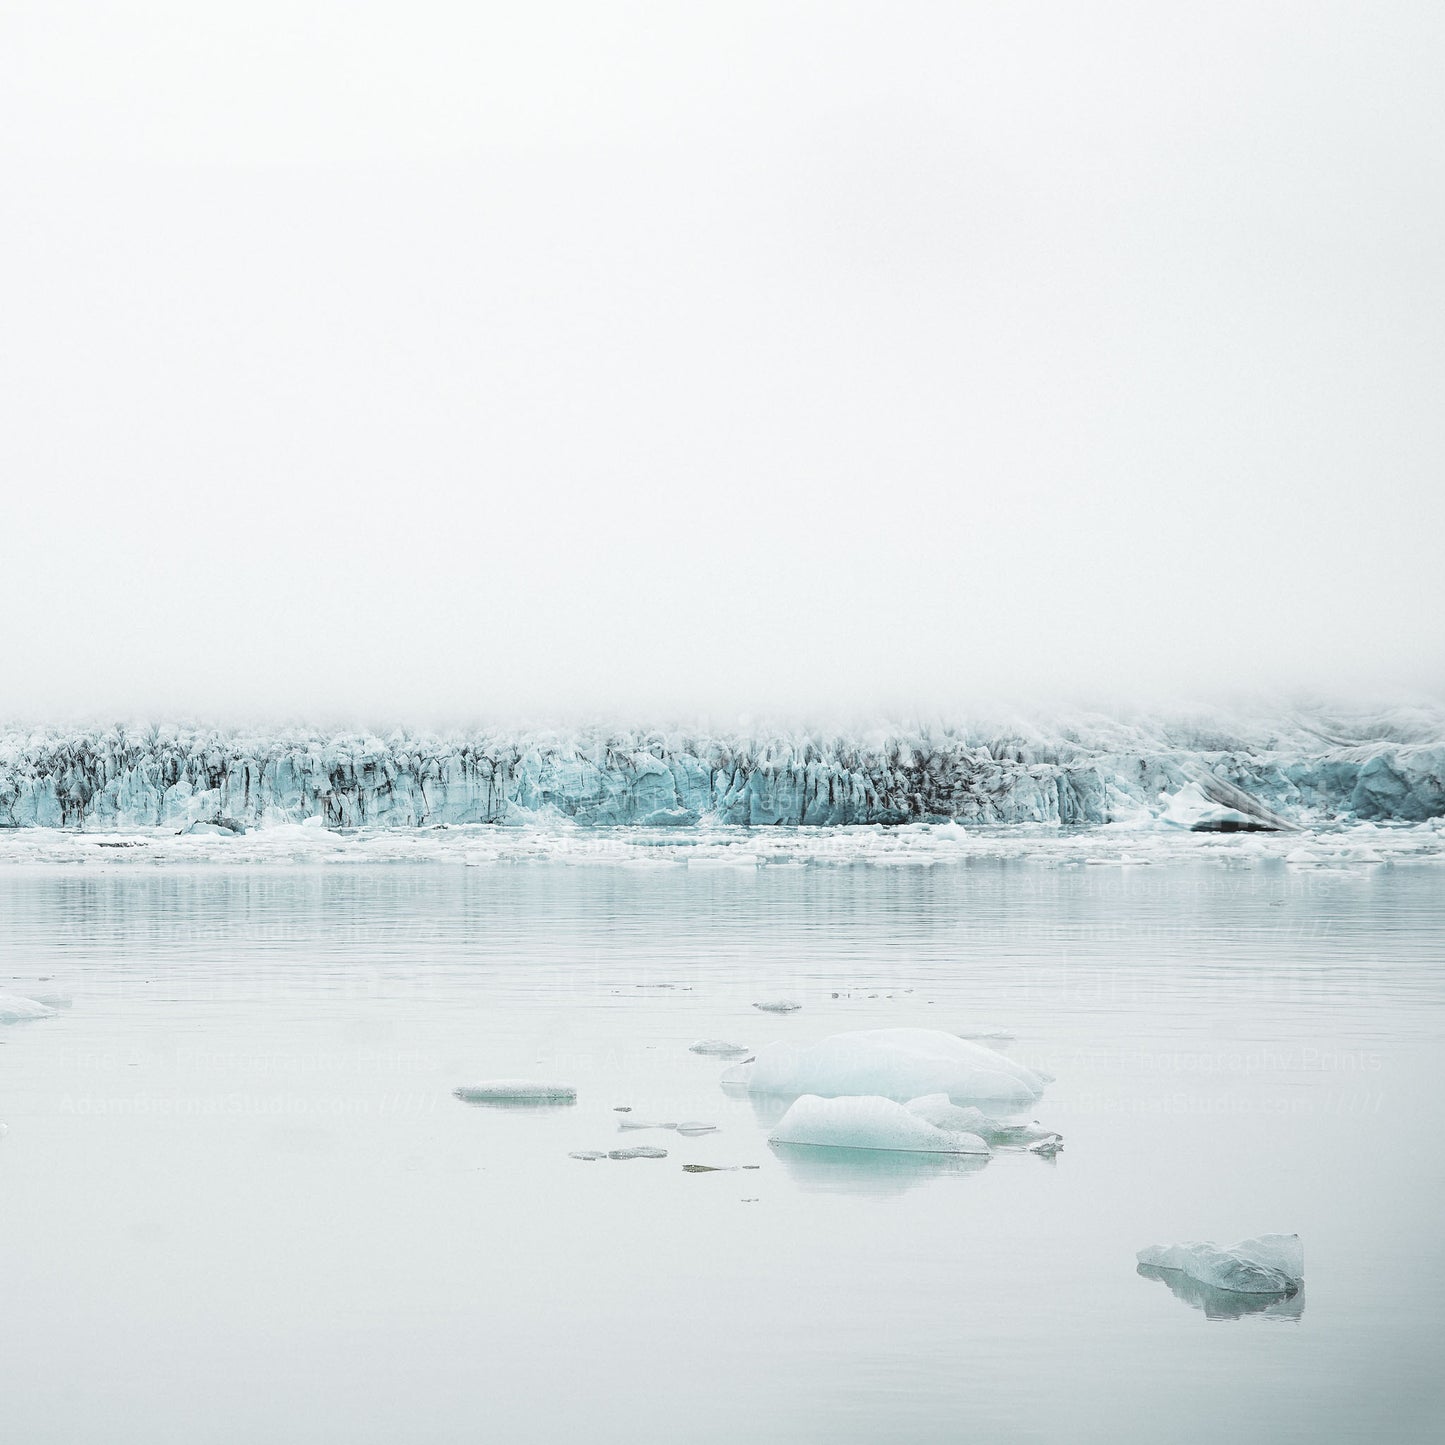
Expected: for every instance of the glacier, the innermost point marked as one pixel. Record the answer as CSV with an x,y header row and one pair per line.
x,y
1210,772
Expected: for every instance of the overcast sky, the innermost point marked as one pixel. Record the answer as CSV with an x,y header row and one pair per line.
x,y
420,359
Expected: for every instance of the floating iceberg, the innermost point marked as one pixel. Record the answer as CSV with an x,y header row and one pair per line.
x,y
17,1010
898,1064
940,1111
1268,1264
1191,807
779,1006
516,1091
719,1048
869,1122
640,1151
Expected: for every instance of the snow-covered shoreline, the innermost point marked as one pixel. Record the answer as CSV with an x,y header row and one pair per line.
x,y
710,847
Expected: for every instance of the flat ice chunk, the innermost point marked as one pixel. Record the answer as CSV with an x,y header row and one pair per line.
x,y
940,1111
1267,1264
779,1006
869,1122
17,1010
516,1091
898,1064
691,1128
640,1151
644,1124
719,1048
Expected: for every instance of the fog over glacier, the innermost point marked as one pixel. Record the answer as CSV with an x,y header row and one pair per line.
x,y
368,365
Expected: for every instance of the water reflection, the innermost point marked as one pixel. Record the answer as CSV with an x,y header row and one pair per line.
x,y
826,1169
1227,1304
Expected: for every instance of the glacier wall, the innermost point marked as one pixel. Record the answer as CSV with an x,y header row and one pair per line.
x,y
1083,771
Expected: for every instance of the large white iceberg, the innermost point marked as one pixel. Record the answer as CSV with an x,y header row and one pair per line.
x,y
17,1010
897,1064
1267,1264
869,1122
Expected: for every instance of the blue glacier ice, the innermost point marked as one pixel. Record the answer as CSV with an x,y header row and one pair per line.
x,y
1216,772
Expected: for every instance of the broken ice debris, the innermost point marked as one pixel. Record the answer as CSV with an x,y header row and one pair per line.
x,y
779,1006
942,1113
641,1151
720,1048
516,1091
16,1010
898,1064
870,1122
1267,1264
588,1154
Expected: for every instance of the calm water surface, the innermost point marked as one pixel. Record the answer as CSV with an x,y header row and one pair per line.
x,y
238,1202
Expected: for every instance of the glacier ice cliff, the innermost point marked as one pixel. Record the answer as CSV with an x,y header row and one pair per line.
x,y
1087,770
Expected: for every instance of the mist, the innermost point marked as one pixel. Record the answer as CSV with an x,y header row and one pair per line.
x,y
449,361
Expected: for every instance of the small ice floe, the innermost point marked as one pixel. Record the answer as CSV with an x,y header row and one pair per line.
x,y
1270,1264
898,1064
718,1048
779,1006
871,1122
516,1091
689,1127
17,1010
717,1168
588,1154
940,1111
640,1151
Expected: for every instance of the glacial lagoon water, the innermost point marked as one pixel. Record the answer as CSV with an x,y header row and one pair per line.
x,y
238,1200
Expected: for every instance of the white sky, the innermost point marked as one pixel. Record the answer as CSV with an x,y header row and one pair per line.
x,y
421,359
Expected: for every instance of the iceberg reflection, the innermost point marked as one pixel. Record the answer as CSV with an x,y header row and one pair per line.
x,y
1227,1304
827,1169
